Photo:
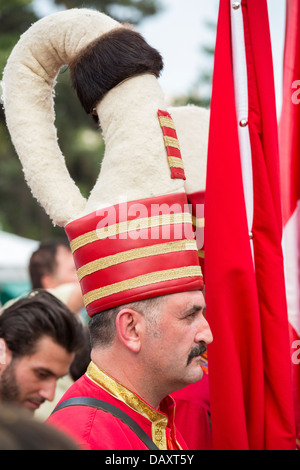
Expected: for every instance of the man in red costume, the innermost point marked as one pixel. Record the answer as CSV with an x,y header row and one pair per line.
x,y
132,241
141,352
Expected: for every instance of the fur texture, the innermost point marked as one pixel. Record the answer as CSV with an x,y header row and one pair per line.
x,y
135,162
29,80
107,61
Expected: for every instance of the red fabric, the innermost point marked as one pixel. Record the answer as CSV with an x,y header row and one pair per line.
x,y
134,211
94,429
289,137
295,354
289,147
192,414
250,381
197,201
127,211
176,173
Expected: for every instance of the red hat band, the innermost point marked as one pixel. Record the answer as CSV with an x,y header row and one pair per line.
x,y
135,250
196,201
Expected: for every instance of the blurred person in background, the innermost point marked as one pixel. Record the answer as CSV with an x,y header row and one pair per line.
x,y
78,367
52,267
20,431
39,337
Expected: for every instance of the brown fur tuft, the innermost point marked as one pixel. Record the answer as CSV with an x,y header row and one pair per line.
x,y
107,61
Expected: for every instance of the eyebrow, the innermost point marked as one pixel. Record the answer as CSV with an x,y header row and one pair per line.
x,y
195,308
49,372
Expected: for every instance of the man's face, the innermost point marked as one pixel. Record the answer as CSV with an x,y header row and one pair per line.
x,y
30,380
65,270
174,343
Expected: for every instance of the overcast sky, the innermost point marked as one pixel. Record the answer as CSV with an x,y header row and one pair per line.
x,y
180,31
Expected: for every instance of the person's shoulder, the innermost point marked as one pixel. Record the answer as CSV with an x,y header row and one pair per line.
x,y
110,433
75,422
95,429
92,428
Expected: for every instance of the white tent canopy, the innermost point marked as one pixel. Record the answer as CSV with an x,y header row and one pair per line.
x,y
15,253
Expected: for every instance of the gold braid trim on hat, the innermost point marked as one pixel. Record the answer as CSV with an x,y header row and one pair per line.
x,y
198,221
176,162
141,281
171,142
166,121
137,253
129,226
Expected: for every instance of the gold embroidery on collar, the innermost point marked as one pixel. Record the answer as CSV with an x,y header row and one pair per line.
x,y
114,388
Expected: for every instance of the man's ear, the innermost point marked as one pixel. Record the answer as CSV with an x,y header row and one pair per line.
x,y
129,324
48,281
2,351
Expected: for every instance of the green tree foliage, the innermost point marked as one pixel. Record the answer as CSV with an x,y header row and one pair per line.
x,y
79,139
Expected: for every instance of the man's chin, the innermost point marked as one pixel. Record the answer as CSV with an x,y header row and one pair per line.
x,y
197,372
32,405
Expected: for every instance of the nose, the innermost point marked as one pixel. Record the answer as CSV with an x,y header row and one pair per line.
x,y
204,332
47,392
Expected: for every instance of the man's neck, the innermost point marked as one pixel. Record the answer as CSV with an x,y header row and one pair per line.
x,y
128,374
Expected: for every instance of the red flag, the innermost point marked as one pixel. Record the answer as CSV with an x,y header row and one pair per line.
x,y
250,378
289,150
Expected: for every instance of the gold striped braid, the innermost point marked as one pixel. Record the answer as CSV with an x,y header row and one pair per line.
x,y
171,142
176,162
166,121
198,221
141,281
129,226
137,253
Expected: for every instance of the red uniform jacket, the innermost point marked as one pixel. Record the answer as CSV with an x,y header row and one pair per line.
x,y
192,418
95,429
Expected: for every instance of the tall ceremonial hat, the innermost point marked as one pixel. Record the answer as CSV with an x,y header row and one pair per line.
x,y
133,238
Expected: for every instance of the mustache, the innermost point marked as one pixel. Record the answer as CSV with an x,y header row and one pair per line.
x,y
197,351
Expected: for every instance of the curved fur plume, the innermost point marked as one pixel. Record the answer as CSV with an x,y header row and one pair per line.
x,y
107,61
135,156
29,79
114,71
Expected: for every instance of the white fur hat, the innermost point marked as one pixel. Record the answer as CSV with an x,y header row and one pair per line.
x,y
132,239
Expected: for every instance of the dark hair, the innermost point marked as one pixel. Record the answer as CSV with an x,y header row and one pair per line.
x,y
102,326
119,54
43,260
82,357
40,314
